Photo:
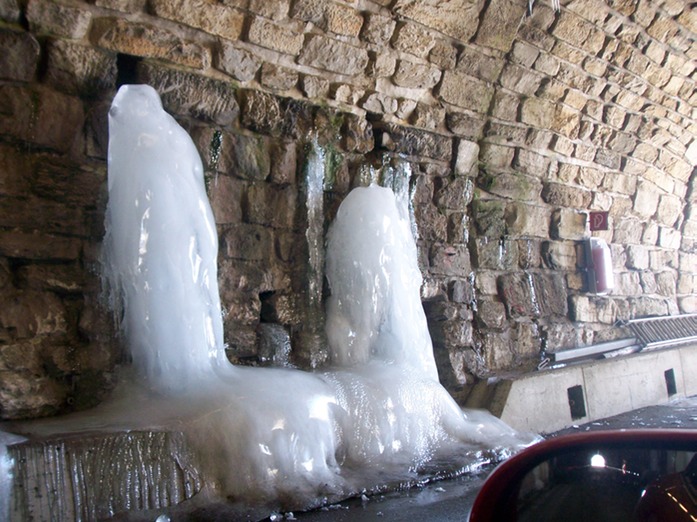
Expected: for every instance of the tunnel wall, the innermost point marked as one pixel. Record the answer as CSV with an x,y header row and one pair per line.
x,y
516,128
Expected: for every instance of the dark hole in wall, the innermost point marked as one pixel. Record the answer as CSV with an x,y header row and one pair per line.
x,y
669,376
577,404
268,312
126,69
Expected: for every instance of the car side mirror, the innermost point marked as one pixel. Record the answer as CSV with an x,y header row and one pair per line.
x,y
634,475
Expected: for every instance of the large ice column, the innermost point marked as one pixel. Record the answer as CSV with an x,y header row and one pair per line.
x,y
375,310
161,245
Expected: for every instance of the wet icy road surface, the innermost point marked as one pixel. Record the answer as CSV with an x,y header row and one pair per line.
x,y
451,500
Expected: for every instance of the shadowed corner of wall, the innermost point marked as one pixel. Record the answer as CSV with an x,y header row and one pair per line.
x,y
489,394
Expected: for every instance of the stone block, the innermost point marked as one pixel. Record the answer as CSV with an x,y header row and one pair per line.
x,y
537,112
465,91
650,234
378,29
20,55
449,260
527,220
670,208
30,314
627,231
475,63
427,116
648,282
491,253
238,63
140,39
493,156
40,116
431,223
357,134
270,205
524,54
520,79
688,304
381,65
568,224
531,163
467,157
248,242
443,55
278,78
646,199
669,238
560,255
490,314
10,11
666,283
14,167
608,158
125,6
568,53
381,103
566,121
637,257
647,307
629,283
69,278
416,75
78,69
270,35
63,182
533,295
592,310
566,195
226,196
458,227
465,125
505,106
188,94
413,39
47,17
277,10
39,246
211,17
24,395
499,23
315,86
343,20
517,187
686,283
529,253
239,155
457,19
590,177
333,55
488,217
415,142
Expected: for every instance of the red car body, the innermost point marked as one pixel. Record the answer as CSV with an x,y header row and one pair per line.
x,y
499,498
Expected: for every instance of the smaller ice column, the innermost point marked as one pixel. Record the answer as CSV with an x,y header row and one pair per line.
x,y
375,311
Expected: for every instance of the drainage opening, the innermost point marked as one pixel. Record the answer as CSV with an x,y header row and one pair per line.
x,y
669,376
577,404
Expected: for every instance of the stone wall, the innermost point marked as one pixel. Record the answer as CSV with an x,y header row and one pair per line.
x,y
515,128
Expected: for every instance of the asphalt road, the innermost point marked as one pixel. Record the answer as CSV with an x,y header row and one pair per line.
x,y
451,500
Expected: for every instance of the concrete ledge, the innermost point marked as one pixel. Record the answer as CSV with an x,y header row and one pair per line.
x,y
550,400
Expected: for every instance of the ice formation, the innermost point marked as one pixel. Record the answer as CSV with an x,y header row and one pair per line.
x,y
280,437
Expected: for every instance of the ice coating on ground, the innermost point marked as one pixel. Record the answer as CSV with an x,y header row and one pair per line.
x,y
279,437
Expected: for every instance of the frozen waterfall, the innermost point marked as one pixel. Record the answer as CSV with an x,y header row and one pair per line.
x,y
281,438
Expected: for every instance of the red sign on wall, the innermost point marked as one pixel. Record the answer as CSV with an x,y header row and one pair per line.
x,y
598,220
